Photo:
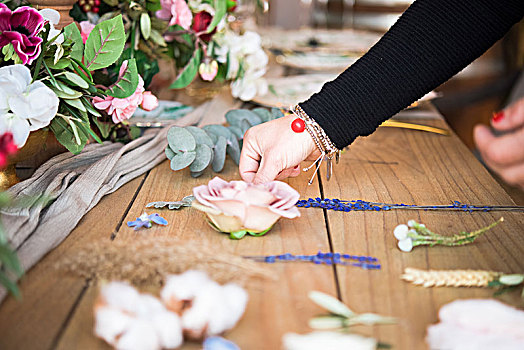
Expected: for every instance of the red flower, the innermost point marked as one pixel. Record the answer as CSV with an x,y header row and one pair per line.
x,y
201,21
7,148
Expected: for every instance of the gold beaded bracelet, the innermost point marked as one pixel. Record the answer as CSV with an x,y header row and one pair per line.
x,y
327,148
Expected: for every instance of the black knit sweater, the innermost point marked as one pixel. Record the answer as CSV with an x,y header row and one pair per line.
x,y
432,41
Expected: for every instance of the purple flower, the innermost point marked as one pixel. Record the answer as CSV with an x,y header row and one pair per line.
x,y
20,28
147,221
219,343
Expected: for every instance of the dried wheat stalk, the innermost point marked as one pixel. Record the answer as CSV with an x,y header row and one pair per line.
x,y
147,260
449,278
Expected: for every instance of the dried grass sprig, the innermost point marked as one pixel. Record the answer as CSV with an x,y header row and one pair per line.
x,y
450,278
147,260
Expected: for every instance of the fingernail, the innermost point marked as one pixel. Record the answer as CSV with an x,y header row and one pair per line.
x,y
497,117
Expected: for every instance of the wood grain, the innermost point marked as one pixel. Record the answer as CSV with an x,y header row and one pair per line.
x,y
49,296
274,307
399,166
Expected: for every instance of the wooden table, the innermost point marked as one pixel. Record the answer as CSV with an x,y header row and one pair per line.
x,y
392,165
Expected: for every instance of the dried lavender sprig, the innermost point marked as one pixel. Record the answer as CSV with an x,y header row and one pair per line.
x,y
366,262
361,205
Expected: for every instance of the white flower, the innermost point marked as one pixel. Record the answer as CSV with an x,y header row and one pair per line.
x,y
406,245
327,341
401,232
24,107
127,319
412,223
53,17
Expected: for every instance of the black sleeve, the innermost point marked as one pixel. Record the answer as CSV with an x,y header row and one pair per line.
x,y
432,41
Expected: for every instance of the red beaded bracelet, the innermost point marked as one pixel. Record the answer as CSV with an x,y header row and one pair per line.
x,y
298,125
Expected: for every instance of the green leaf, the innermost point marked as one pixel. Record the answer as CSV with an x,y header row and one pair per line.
x,y
104,128
189,72
76,80
327,322
105,44
330,303
218,130
259,234
370,319
219,157
201,137
127,83
63,95
10,260
77,104
89,107
145,25
204,157
180,140
72,33
9,285
237,234
65,135
157,38
220,12
233,149
182,160
63,63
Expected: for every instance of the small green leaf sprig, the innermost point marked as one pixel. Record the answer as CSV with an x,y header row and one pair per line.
x,y
414,234
198,148
340,316
10,268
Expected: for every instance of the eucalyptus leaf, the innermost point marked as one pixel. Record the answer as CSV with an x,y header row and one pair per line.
x,y
204,157
169,153
237,131
180,140
201,137
218,130
76,80
182,160
126,83
72,33
233,149
263,113
105,44
212,136
219,158
189,72
197,174
331,304
244,126
234,117
145,25
277,113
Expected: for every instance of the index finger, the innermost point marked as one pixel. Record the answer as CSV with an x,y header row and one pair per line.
x,y
249,163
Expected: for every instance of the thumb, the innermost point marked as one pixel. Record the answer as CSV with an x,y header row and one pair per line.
x,y
267,171
510,118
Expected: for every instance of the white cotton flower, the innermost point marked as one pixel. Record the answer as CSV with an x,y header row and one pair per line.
x,y
129,320
406,245
184,286
327,341
24,106
249,86
401,232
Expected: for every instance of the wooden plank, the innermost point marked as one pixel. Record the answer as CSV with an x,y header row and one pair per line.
x,y
48,295
275,307
400,166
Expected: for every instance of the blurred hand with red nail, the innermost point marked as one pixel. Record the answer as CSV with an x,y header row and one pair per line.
x,y
504,154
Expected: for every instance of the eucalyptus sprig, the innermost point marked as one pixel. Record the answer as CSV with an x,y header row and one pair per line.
x,y
340,316
414,234
197,148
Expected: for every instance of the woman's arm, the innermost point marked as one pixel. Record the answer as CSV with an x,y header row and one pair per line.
x,y
432,41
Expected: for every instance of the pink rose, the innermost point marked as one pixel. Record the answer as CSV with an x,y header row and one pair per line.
x,y
238,205
176,12
121,109
85,29
149,101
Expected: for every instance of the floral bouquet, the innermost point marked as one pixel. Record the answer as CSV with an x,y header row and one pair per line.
x,y
77,86
196,34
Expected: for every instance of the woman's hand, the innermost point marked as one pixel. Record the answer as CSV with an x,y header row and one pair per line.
x,y
273,151
504,154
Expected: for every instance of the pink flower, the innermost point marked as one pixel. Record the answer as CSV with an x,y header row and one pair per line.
x,y
85,29
7,148
238,205
176,12
149,101
20,28
121,109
